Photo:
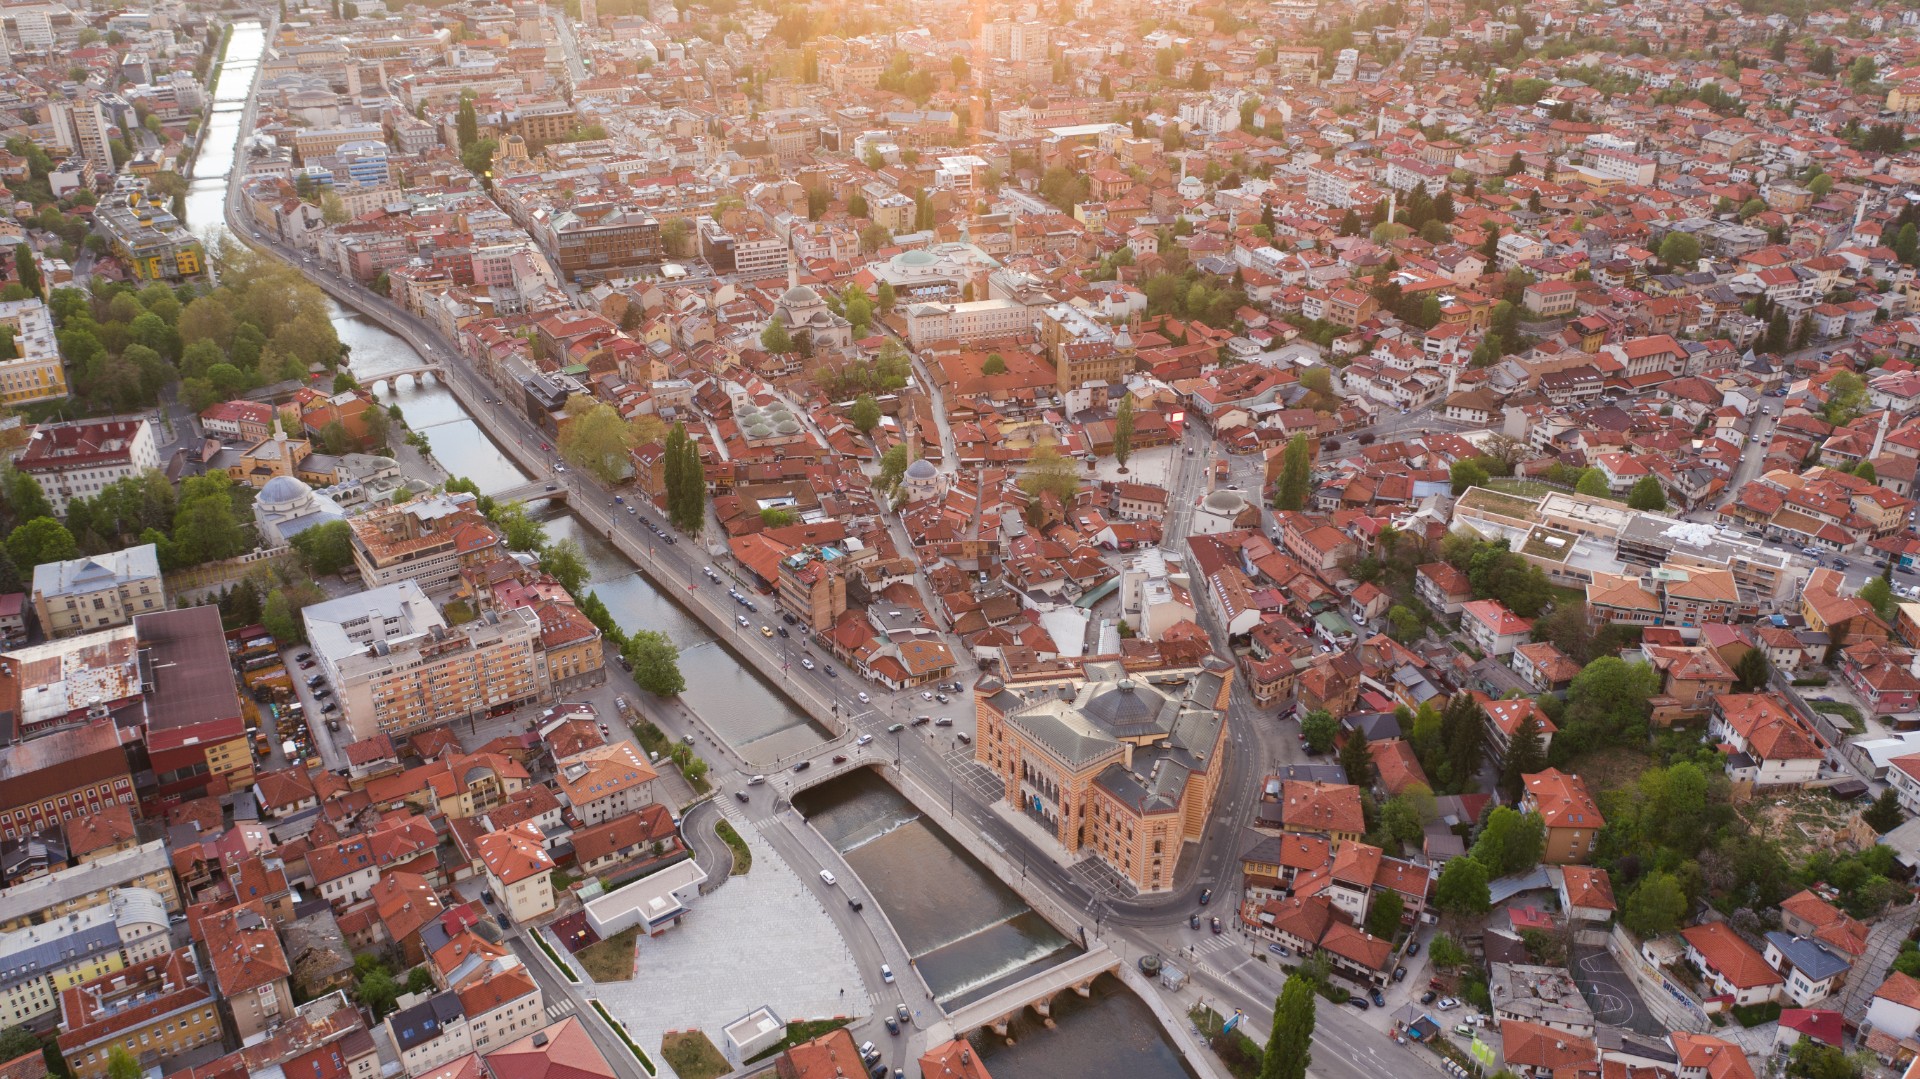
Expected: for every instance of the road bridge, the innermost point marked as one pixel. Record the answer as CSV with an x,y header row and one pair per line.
x,y
418,374
998,1010
537,491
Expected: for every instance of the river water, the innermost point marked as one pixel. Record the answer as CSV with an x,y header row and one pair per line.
x,y
1111,1033
733,698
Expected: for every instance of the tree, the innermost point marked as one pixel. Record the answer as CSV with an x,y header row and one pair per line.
x,y
1846,398
419,979
596,439
467,121
1866,471
775,338
1383,915
1753,670
1290,1044
16,1042
873,237
1884,814
1680,250
280,619
995,364
1050,472
1879,595
1606,705
1510,842
40,540
1296,475
1462,888
567,563
883,296
686,481
1862,72
1356,759
1319,729
1593,484
1810,1059
1404,625
865,414
23,498
1467,474
122,1065
656,663
1647,494
324,549
377,992
1123,431
520,530
478,158
1526,754
27,269
1656,906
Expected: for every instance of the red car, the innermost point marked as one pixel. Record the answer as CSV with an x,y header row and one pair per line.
x,y
839,758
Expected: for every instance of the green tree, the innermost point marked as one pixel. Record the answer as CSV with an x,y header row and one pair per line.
x,y
893,468
1657,906
1050,471
1866,471
686,481
478,158
377,992
24,500
1680,250
1383,915
883,296
1510,842
1467,474
1462,889
656,663
16,1042
995,364
467,121
518,527
1290,1043
1606,705
325,549
1123,431
775,338
27,269
1846,398
1647,494
1753,670
1879,595
1526,754
567,563
1884,814
1356,759
596,439
865,414
1862,72
1296,475
40,540
1319,729
122,1065
1404,625
1593,484
280,620
419,979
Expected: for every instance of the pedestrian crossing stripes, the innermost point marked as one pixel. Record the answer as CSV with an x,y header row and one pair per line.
x,y
560,1009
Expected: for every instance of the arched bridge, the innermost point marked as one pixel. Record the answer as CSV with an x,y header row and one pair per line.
x,y
418,374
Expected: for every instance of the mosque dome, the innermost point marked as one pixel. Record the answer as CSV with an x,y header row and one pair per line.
x,y
921,469
284,491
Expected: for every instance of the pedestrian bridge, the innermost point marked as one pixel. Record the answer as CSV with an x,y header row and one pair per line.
x,y
998,1011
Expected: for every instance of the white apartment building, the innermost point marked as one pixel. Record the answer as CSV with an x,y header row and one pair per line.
x,y
79,458
978,320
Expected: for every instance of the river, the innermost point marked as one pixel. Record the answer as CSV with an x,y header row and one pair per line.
x,y
732,697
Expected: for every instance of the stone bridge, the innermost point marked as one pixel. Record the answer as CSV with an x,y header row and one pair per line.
x,y
419,375
998,1010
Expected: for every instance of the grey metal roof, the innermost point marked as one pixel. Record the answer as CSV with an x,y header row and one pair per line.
x,y
1808,956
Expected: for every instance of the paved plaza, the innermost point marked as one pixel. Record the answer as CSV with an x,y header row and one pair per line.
x,y
762,939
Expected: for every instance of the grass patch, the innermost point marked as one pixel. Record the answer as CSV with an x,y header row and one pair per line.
x,y
1845,711
692,1056
639,1054
1237,1051
652,739
742,856
797,1033
611,960
1523,488
540,939
1752,1015
1611,768
1811,680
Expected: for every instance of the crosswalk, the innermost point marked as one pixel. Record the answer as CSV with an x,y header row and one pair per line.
x,y
561,1008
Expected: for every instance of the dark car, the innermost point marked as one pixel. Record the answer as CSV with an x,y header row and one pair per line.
x,y
1358,1002
803,766
856,904
1379,999
893,1026
1413,948
839,758
1193,921
787,617
302,656
1399,974
741,795
1428,997
782,631
901,1013
1206,896
1216,924
965,738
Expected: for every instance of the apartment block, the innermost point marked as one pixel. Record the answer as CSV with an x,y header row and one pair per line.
x,y
97,592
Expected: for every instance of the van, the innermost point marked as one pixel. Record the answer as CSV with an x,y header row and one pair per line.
x,y
827,876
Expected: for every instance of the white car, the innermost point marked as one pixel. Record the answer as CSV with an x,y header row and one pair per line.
x,y
742,619
1447,1004
886,974
864,699
925,696
807,662
863,740
829,878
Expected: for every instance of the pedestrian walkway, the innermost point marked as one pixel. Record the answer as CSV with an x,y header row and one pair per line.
x,y
1884,938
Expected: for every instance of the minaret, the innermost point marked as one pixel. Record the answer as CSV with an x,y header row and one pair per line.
x,y
793,267
1879,437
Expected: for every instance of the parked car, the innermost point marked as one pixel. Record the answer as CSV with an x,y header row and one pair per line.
x,y
943,721
1399,974
1379,999
1413,948
1427,997
1447,1004
1280,950
1358,1002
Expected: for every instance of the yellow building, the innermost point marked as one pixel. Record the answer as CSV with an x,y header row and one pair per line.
x,y
35,372
40,962
156,1010
1123,767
